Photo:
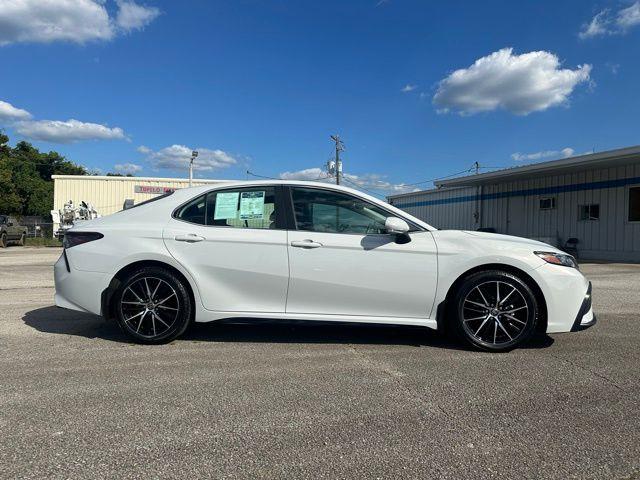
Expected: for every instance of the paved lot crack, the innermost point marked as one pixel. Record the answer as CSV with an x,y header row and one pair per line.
x,y
595,374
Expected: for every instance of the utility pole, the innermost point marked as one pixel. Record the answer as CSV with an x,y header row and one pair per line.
x,y
194,154
338,164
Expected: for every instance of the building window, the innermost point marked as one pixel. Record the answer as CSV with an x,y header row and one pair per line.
x,y
547,203
589,212
634,204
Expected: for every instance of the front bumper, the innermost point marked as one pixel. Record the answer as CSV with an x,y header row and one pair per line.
x,y
585,318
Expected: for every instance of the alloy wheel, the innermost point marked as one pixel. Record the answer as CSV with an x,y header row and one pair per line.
x,y
495,312
150,307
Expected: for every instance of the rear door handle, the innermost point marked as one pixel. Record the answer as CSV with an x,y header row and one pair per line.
x,y
305,244
189,238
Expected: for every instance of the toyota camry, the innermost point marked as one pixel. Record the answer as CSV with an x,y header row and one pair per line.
x,y
309,251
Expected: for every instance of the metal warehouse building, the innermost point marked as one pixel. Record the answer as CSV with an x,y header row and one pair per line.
x,y
107,194
594,199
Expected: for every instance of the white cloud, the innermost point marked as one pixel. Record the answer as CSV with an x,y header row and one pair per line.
x,y
9,113
77,21
408,88
608,23
599,25
629,17
520,84
127,168
70,131
564,153
176,157
373,182
311,174
132,16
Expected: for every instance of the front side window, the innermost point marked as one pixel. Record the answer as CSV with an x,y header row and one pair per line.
x,y
3,219
634,204
318,210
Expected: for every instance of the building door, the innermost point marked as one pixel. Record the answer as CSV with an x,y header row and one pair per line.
x,y
516,219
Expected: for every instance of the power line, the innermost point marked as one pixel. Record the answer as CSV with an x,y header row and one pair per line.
x,y
360,187
261,176
439,178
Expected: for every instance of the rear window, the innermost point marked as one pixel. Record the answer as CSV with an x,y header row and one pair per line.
x,y
154,199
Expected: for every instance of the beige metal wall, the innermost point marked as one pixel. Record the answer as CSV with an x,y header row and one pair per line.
x,y
107,194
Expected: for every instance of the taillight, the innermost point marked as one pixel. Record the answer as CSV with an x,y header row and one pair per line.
x,y
71,239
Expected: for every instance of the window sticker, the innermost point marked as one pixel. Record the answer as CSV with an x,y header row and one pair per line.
x,y
252,205
226,205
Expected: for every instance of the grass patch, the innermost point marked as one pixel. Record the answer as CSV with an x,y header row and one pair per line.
x,y
43,242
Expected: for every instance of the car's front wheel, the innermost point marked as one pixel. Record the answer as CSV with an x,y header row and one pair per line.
x,y
152,305
495,310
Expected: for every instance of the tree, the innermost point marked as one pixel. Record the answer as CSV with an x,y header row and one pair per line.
x,y
25,178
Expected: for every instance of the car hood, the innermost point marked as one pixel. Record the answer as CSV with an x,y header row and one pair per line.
x,y
485,237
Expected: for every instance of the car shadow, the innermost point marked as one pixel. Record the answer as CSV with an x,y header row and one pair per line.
x,y
68,322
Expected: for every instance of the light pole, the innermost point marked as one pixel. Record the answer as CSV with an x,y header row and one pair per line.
x,y
194,154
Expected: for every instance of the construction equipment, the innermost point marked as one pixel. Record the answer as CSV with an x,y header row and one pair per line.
x,y
69,215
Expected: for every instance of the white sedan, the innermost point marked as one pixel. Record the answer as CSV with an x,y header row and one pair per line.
x,y
309,251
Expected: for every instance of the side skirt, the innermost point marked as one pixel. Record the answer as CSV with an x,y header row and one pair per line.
x,y
421,322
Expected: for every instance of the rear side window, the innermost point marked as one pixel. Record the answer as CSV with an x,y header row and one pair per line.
x,y
194,211
237,208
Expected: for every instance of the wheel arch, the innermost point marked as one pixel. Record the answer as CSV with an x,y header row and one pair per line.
x,y
107,294
524,276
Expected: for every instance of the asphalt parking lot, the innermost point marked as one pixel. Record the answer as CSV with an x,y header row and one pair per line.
x,y
311,401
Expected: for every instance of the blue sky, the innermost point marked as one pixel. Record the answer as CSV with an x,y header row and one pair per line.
x,y
261,85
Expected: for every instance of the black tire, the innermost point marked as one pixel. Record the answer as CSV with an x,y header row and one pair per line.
x,y
3,240
494,311
22,240
167,320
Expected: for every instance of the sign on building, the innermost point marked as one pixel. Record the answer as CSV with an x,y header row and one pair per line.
x,y
153,190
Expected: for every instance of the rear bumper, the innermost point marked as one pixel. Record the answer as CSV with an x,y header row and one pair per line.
x,y
585,318
76,289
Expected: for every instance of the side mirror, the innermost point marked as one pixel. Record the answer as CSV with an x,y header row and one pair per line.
x,y
395,225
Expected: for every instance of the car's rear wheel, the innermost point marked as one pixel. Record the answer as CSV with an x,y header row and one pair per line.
x,y
3,240
495,310
153,306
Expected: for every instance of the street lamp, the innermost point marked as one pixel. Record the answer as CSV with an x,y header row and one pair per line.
x,y
194,154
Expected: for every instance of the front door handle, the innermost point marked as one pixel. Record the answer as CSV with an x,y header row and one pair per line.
x,y
189,238
305,244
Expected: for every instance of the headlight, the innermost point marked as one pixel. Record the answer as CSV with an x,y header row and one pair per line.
x,y
563,259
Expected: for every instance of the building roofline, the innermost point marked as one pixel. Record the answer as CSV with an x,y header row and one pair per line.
x,y
420,192
590,160
134,179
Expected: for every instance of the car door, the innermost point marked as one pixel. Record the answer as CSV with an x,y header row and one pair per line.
x,y
234,244
343,263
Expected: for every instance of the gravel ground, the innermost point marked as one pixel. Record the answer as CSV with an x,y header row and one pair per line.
x,y
311,401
